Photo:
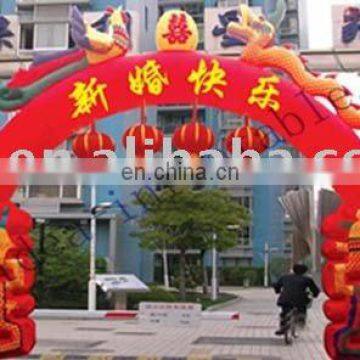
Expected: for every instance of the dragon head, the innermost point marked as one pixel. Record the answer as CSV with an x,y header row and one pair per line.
x,y
118,26
256,29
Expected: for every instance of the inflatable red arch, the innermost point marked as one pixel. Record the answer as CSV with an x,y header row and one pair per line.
x,y
232,85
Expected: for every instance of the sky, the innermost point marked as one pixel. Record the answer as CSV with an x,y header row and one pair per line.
x,y
320,27
320,21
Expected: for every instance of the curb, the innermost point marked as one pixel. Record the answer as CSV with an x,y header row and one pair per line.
x,y
84,314
195,356
119,315
225,304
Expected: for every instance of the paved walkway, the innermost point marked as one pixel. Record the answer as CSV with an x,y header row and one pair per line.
x,y
250,338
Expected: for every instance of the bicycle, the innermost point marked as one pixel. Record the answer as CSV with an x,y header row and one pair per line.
x,y
290,326
291,320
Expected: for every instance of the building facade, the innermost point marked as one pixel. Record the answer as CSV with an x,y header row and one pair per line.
x,y
44,26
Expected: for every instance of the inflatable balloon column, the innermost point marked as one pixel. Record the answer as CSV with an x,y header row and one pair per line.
x,y
17,330
341,280
97,79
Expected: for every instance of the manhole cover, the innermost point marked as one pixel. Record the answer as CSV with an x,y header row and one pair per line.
x,y
260,341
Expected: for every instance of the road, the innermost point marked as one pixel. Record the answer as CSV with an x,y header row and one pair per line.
x,y
252,337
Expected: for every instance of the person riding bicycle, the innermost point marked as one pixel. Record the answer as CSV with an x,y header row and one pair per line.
x,y
296,291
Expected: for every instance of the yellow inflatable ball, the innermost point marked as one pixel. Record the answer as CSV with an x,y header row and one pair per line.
x,y
176,30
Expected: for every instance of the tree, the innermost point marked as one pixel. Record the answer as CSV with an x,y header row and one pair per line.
x,y
187,219
64,263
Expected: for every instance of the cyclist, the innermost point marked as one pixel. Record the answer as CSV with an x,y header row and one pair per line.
x,y
296,291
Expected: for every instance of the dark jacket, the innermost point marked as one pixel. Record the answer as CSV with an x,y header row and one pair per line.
x,y
294,290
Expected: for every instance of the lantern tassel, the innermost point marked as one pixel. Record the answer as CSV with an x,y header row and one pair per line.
x,y
143,116
194,111
92,127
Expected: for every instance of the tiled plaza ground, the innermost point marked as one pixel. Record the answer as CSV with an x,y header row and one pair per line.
x,y
250,338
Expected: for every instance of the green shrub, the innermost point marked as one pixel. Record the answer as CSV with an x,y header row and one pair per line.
x,y
63,270
278,267
154,295
251,277
239,275
157,294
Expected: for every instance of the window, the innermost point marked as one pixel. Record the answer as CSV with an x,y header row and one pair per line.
x,y
246,202
290,26
244,236
26,36
44,191
51,36
226,3
245,231
54,191
292,5
44,27
168,121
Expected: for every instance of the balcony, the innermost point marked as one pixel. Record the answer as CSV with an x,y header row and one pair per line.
x,y
345,60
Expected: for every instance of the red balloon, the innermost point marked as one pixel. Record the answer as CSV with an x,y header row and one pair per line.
x,y
17,302
86,144
336,227
142,132
329,339
337,310
194,137
335,250
16,221
251,139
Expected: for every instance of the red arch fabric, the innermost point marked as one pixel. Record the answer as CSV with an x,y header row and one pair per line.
x,y
52,117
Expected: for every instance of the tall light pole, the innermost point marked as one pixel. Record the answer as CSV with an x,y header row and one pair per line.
x,y
92,273
166,268
266,264
267,252
214,281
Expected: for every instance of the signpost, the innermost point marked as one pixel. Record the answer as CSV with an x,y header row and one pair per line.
x,y
170,314
120,285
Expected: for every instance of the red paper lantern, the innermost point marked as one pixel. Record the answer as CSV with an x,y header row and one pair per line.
x,y
142,132
251,139
86,144
194,138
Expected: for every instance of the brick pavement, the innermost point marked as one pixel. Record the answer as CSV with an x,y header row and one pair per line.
x,y
250,338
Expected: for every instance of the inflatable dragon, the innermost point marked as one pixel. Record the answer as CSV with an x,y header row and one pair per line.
x,y
105,39
259,35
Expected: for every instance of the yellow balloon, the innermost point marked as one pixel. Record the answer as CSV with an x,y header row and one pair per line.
x,y
177,30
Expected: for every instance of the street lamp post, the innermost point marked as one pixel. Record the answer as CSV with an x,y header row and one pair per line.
x,y
266,264
166,268
214,281
267,252
92,273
